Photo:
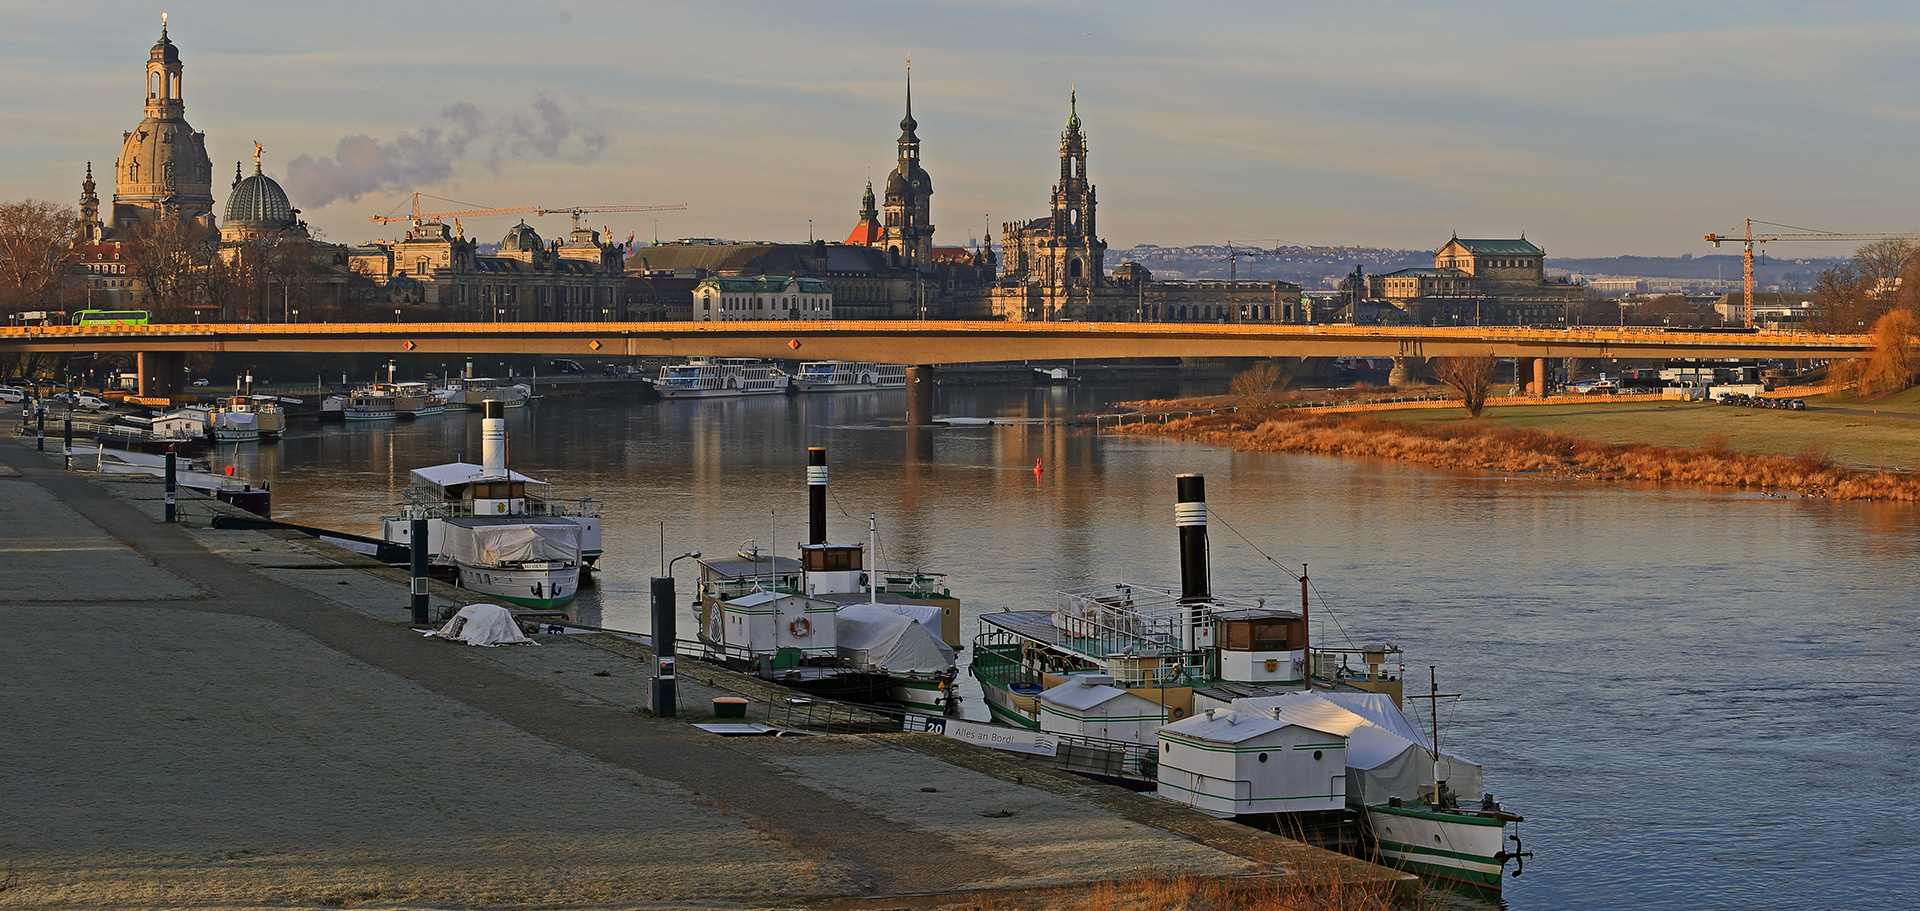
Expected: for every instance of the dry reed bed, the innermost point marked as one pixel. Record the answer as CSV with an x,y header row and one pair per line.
x,y
1475,445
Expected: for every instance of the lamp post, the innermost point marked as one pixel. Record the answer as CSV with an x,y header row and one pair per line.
x,y
396,315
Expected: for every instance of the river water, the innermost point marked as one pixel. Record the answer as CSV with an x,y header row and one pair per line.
x,y
1699,699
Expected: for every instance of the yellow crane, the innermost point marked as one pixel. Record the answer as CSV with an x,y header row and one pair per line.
x,y
1749,238
418,216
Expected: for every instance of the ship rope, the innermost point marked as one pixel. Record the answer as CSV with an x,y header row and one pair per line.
x,y
1214,514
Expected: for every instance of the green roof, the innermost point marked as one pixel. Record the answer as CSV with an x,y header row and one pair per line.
x,y
753,283
1520,247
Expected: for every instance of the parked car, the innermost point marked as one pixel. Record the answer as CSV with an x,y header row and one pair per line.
x,y
203,380
561,365
12,396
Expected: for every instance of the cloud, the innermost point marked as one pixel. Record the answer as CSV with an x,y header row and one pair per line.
x,y
361,164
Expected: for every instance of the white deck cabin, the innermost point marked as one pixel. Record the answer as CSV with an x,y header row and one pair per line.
x,y
1089,705
1227,763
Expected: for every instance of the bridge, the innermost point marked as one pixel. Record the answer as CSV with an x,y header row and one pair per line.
x,y
922,344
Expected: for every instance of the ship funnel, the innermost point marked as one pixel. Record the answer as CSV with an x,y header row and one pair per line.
x,y
493,440
1190,516
816,495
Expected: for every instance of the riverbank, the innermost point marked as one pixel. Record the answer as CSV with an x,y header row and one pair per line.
x,y
1841,450
230,719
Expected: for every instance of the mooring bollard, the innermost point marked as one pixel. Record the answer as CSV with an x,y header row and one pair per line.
x,y
417,538
170,480
665,700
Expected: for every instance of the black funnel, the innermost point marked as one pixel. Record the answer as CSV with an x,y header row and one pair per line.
x,y
816,495
1190,516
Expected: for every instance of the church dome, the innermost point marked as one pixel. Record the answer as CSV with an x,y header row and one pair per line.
x,y
259,200
898,185
521,238
164,51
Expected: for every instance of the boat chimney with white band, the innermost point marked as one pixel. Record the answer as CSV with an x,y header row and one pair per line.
x,y
1190,516
816,495
497,493
493,440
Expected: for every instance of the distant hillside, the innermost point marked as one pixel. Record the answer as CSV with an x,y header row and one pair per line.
x,y
1323,271
1725,266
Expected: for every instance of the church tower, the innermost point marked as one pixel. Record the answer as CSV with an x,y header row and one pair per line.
x,y
163,171
908,233
90,230
1082,251
1058,261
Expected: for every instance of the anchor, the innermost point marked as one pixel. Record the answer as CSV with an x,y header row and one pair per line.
x,y
1518,855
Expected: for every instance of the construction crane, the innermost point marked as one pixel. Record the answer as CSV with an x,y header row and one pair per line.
x,y
418,216
1746,254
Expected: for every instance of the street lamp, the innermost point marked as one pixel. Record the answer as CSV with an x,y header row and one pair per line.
x,y
396,315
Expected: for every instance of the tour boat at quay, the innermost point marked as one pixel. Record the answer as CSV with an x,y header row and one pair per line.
x,y
713,377
848,376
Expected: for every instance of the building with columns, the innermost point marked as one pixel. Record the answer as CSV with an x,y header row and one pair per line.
x,y
1477,282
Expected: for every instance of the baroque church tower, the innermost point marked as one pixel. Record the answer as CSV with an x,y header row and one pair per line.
x,y
908,233
163,171
1058,261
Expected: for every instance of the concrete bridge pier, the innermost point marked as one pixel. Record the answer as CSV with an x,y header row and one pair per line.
x,y
920,395
1406,372
160,372
1539,384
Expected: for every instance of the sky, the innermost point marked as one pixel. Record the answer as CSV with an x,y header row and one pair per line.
x,y
1603,128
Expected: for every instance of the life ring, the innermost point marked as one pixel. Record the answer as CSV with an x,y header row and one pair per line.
x,y
800,627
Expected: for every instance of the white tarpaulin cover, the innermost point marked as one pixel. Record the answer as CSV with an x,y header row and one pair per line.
x,y
875,638
928,615
482,624
518,542
1387,756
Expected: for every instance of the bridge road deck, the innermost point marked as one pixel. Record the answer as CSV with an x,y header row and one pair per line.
x,y
930,342
228,719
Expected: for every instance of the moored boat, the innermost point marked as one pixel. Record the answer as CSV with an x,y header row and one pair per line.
x,y
492,535
1227,706
848,376
822,623
417,400
715,377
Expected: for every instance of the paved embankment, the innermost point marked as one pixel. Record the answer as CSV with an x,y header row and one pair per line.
x,y
229,719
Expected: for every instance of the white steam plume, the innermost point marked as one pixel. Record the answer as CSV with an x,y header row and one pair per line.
x,y
361,164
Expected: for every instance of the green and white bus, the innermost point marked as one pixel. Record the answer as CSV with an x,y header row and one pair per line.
x,y
112,318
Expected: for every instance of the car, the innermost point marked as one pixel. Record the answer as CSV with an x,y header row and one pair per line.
x,y
200,382
12,396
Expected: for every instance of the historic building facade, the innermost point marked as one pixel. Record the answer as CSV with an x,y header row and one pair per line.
x,y
762,297
579,280
1473,282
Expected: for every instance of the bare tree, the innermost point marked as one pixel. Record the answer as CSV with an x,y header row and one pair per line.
x,y
36,250
1470,376
170,258
1259,386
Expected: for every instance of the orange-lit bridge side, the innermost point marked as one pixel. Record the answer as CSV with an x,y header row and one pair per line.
x,y
924,342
